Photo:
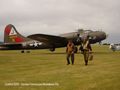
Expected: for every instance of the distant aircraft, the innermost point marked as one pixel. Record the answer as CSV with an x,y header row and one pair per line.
x,y
115,47
15,41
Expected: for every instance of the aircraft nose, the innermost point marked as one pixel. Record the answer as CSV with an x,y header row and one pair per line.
x,y
103,34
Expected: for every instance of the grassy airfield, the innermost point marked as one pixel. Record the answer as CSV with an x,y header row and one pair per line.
x,y
44,70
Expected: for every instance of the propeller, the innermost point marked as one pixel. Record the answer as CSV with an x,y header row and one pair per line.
x,y
78,35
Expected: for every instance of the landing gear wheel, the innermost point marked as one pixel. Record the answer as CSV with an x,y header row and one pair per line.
x,y
52,49
22,51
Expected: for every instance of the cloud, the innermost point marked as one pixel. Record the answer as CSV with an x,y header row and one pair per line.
x,y
60,16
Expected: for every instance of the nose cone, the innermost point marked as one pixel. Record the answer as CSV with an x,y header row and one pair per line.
x,y
98,36
103,35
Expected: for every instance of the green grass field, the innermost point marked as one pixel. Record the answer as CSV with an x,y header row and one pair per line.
x,y
44,70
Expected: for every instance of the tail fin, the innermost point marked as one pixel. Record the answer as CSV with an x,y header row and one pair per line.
x,y
12,36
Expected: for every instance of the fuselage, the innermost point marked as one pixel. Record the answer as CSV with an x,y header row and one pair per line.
x,y
13,40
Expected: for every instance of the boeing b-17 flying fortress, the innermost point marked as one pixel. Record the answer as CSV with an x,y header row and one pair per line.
x,y
15,41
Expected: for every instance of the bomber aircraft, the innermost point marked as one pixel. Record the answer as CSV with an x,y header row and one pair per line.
x,y
15,41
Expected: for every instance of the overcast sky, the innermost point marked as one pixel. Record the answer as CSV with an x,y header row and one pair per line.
x,y
61,16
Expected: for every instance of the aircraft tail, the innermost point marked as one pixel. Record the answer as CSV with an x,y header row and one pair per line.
x,y
11,35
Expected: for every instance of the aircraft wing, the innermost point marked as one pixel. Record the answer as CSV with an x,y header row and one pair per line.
x,y
50,39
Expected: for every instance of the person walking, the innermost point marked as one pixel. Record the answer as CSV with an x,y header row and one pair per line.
x,y
70,52
87,49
